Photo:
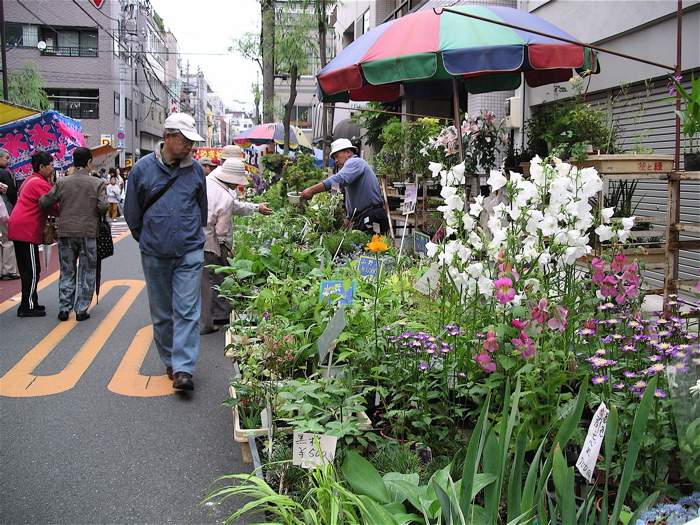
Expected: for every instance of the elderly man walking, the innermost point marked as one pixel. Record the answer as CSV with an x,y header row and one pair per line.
x,y
83,201
166,210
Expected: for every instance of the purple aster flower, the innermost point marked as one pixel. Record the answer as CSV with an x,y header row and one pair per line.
x,y
599,380
629,374
619,386
659,393
423,366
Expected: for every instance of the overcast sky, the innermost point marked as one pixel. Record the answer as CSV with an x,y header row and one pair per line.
x,y
204,30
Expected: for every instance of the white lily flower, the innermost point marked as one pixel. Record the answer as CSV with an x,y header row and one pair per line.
x,y
628,222
475,270
468,222
477,206
497,180
605,233
606,214
549,225
431,248
435,168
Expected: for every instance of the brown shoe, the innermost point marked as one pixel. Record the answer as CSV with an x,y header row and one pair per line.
x,y
169,371
183,381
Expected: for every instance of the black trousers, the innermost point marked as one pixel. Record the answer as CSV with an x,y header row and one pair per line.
x,y
367,219
29,266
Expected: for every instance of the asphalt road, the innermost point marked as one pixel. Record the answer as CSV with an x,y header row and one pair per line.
x,y
91,430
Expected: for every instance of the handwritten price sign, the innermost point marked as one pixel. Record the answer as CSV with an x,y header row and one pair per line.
x,y
310,450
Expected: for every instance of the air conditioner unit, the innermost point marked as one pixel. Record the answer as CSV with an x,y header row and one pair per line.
x,y
514,113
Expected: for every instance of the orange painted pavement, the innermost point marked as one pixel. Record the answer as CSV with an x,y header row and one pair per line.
x,y
128,381
19,380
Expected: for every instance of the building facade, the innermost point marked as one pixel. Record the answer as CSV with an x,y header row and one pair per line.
x,y
114,68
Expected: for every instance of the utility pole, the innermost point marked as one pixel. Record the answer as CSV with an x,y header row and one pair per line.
x,y
3,42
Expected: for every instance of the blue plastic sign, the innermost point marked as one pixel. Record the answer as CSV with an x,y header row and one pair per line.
x,y
337,288
419,243
370,265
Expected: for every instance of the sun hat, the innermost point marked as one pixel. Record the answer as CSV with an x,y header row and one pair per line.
x,y
232,172
184,123
231,152
205,161
340,145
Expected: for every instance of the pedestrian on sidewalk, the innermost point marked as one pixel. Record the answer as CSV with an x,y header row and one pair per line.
x,y
8,191
113,194
83,201
222,205
26,230
166,210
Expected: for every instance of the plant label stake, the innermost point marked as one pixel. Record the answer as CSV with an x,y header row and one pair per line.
x,y
409,207
591,446
326,343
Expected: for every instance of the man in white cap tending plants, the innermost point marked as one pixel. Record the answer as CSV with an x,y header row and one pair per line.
x,y
222,205
166,210
363,197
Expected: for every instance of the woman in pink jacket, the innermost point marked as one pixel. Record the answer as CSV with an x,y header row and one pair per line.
x,y
26,229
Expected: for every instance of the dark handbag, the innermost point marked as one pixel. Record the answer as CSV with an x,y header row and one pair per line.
x,y
50,232
105,244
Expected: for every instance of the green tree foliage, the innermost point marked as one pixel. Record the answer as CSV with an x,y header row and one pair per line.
x,y
26,88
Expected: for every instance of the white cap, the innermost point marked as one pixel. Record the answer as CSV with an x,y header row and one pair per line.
x,y
232,172
184,123
340,145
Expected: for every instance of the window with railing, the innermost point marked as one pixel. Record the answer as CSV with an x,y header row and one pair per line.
x,y
75,103
69,41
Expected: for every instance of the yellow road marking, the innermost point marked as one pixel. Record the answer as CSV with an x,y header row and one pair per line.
x,y
19,380
43,283
127,380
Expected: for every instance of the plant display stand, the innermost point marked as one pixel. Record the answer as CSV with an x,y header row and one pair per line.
x,y
674,229
240,435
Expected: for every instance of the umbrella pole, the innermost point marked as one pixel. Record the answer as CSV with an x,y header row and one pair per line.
x,y
455,112
458,125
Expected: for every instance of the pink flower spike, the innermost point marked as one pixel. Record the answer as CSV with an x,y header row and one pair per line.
x,y
559,319
540,313
598,264
608,286
618,263
491,344
504,290
520,325
598,277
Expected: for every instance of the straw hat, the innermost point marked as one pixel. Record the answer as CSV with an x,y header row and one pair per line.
x,y
232,172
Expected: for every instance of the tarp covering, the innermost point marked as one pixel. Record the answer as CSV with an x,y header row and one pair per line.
x,y
10,112
51,132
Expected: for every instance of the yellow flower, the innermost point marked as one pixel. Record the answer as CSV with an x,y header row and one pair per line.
x,y
377,244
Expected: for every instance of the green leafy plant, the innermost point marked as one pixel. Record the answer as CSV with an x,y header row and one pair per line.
x,y
690,114
326,405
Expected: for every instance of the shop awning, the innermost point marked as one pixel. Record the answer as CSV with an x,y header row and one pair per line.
x,y
11,112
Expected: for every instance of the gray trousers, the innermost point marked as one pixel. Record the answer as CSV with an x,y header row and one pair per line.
x,y
213,306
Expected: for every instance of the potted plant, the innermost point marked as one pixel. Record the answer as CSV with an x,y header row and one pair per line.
x,y
300,172
689,115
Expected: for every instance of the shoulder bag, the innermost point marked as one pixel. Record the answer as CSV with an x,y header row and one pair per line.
x,y
105,244
50,231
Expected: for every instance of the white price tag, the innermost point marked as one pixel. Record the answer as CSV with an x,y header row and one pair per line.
x,y
591,446
429,281
305,450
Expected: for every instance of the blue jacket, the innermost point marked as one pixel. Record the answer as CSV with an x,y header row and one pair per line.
x,y
173,225
361,186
